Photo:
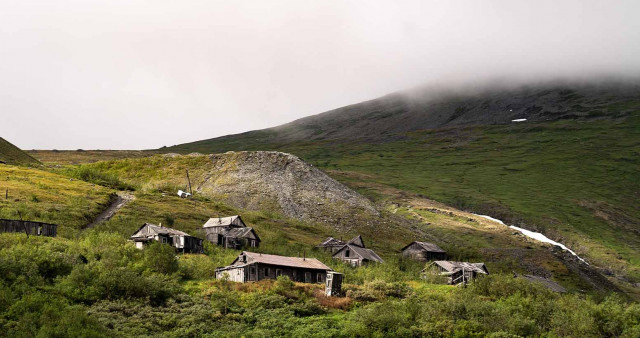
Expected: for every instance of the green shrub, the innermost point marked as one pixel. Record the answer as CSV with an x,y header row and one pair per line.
x,y
161,258
93,175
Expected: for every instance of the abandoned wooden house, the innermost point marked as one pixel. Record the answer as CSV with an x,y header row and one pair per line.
x,y
332,244
182,241
231,232
251,267
423,251
356,255
29,227
546,282
456,272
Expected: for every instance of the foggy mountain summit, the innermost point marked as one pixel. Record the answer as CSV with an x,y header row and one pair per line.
x,y
392,116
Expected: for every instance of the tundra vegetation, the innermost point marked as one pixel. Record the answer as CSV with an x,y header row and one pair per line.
x,y
93,282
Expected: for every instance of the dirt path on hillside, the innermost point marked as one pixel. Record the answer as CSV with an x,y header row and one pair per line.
x,y
121,200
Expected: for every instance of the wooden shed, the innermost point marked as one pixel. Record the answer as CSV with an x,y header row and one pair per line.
x,y
29,227
231,232
357,256
423,251
251,266
182,241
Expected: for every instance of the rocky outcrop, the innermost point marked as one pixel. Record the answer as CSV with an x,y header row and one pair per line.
x,y
270,180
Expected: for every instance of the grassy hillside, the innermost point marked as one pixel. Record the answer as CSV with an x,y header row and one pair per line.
x,y
575,179
95,283
11,154
39,195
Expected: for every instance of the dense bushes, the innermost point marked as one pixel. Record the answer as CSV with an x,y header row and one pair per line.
x,y
93,175
100,285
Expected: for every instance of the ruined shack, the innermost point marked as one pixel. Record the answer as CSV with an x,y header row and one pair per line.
x,y
29,227
423,251
182,241
456,272
331,244
231,232
251,267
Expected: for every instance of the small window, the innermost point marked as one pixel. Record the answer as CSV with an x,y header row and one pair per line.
x,y
253,271
319,277
267,271
164,240
307,277
278,272
347,253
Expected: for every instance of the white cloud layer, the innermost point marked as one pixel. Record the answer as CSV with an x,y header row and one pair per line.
x,y
142,74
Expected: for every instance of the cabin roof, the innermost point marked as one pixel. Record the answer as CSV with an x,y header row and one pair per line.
x,y
365,253
296,262
426,246
224,221
151,229
544,281
451,266
331,242
241,232
357,241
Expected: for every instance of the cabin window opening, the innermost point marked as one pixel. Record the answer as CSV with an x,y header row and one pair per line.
x,y
253,270
164,240
278,272
319,277
307,277
267,271
347,253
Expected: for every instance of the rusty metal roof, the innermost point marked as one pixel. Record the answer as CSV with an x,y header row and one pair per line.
x,y
296,262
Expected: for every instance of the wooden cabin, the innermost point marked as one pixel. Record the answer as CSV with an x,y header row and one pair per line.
x,y
355,253
424,251
231,232
252,267
182,241
456,272
29,227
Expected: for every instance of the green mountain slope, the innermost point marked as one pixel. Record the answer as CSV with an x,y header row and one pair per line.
x,y
11,154
573,177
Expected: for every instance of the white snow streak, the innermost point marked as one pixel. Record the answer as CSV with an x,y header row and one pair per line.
x,y
535,235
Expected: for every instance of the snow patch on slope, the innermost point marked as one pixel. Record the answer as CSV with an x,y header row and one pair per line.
x,y
535,235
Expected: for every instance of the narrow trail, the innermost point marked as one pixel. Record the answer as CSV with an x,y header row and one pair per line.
x,y
120,201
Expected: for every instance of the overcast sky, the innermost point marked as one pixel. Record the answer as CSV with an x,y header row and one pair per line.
x,y
139,74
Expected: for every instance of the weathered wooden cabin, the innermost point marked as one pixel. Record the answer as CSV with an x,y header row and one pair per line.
x,y
357,256
546,282
182,241
424,251
332,244
456,272
251,267
231,232
29,227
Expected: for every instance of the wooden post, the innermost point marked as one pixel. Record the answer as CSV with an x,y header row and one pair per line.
x,y
6,194
189,180
24,225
